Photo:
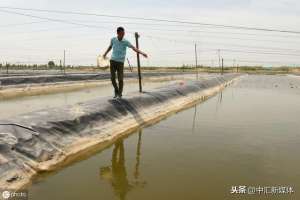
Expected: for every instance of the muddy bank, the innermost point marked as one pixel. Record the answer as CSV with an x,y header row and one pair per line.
x,y
46,139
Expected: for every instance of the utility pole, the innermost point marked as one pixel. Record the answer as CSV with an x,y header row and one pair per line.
x,y
222,65
64,61
60,65
138,61
219,54
196,60
233,65
6,68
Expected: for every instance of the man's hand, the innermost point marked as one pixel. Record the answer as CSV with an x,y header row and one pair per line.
x,y
139,51
106,52
145,55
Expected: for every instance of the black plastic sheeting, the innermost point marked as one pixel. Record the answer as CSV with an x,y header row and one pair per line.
x,y
18,80
48,132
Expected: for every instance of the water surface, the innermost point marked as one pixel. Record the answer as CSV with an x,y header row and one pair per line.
x,y
248,135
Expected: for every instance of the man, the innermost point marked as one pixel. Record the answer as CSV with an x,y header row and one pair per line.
x,y
119,46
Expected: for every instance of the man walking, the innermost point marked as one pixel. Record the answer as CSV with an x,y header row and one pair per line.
x,y
119,46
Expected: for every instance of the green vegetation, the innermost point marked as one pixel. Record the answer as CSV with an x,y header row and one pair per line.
x,y
6,68
51,64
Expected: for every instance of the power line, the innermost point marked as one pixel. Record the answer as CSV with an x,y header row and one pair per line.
x,y
80,24
223,44
175,30
211,32
255,52
266,62
50,19
20,24
223,50
189,26
93,26
159,20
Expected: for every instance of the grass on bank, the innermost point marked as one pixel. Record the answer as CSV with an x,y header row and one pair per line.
x,y
8,68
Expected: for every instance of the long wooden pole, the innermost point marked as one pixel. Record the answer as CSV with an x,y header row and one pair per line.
x,y
138,61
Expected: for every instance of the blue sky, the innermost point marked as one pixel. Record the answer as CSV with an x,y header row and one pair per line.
x,y
166,45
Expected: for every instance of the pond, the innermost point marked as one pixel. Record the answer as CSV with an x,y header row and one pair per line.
x,y
248,135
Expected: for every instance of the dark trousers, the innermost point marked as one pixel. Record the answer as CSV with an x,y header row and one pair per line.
x,y
119,68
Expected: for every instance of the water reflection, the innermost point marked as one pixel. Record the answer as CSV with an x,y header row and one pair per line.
x,y
138,155
219,101
194,119
116,174
221,97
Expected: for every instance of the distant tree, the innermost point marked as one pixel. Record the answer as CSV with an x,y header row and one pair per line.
x,y
51,64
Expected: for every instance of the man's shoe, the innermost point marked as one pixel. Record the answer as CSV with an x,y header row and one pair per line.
x,y
120,96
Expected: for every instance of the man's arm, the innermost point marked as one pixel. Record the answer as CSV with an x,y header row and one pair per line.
x,y
108,50
139,51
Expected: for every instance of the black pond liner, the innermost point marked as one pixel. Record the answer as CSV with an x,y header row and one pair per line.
x,y
39,136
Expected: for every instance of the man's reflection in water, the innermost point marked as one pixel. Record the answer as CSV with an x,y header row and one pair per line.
x,y
117,174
